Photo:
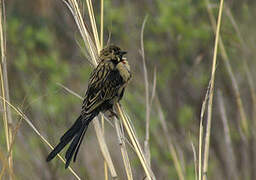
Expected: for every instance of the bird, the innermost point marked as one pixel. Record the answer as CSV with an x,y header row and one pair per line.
x,y
106,87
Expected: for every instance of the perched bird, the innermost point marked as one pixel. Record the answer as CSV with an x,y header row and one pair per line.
x,y
105,88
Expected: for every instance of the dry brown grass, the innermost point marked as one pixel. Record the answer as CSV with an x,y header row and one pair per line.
x,y
209,94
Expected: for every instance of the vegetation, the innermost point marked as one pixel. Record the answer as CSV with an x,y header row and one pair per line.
x,y
169,103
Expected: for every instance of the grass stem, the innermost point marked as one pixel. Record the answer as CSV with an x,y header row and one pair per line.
x,y
211,92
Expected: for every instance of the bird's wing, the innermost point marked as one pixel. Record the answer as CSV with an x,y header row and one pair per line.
x,y
103,86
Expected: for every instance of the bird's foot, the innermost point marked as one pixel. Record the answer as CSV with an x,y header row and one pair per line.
x,y
112,114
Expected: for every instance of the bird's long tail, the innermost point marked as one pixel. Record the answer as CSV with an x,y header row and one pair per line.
x,y
76,132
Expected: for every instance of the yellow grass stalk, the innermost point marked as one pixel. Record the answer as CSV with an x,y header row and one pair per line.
x,y
20,113
105,163
101,22
5,161
93,24
201,130
244,123
130,130
104,148
83,29
124,153
211,91
7,120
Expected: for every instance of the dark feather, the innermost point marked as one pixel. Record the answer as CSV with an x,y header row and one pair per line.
x,y
66,138
73,145
72,131
80,142
58,148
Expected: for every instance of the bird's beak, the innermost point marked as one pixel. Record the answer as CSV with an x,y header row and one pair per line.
x,y
123,53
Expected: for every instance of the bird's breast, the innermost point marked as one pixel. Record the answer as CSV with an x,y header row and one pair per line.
x,y
124,70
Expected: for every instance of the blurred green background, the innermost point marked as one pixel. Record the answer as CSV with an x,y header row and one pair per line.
x,y
43,50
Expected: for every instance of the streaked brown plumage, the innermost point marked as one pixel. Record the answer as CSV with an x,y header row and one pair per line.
x,y
105,88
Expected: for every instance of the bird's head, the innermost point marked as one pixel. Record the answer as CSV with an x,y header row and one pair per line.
x,y
113,53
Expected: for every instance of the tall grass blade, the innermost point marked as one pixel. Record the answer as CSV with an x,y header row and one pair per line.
x,y
7,119
124,153
211,92
130,130
244,123
146,142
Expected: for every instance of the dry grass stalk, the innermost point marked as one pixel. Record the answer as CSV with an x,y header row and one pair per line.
x,y
211,91
5,161
244,123
7,119
20,113
113,126
201,131
171,147
200,146
231,162
131,132
101,22
148,107
105,163
124,153
93,24
83,29
153,88
104,148
195,159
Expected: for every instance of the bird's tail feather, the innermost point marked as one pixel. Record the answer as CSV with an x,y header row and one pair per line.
x,y
66,138
73,130
76,132
74,146
80,142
